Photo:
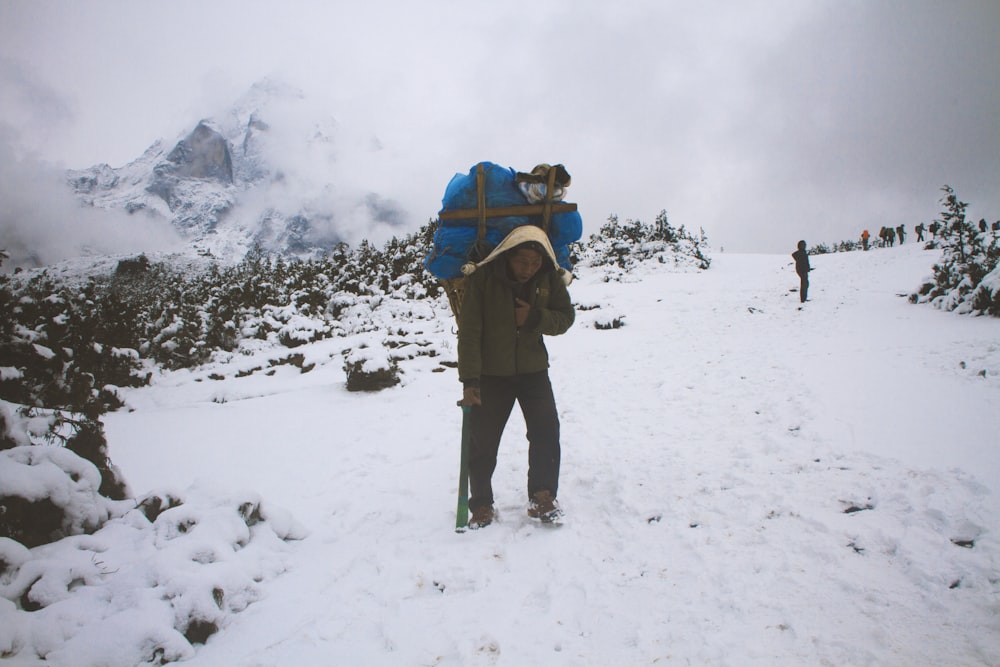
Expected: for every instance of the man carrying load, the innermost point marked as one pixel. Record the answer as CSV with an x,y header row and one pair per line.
x,y
512,299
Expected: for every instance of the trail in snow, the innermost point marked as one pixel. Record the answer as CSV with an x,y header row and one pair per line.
x,y
746,483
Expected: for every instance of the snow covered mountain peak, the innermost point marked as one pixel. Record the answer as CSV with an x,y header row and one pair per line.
x,y
273,170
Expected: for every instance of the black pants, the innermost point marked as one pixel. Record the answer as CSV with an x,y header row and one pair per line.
x,y
803,287
533,392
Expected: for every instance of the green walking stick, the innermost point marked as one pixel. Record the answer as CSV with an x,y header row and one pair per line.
x,y
462,513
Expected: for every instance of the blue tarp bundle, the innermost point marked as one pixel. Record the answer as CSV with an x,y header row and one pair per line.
x,y
454,239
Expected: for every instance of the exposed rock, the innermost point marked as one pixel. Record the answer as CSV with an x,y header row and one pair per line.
x,y
203,154
100,176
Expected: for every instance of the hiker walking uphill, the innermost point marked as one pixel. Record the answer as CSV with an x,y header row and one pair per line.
x,y
516,296
802,268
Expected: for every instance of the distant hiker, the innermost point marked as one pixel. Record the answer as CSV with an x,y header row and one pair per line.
x,y
920,231
934,228
883,236
509,304
802,268
890,236
864,239
901,233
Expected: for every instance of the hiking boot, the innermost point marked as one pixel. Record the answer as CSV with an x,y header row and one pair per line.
x,y
482,517
544,507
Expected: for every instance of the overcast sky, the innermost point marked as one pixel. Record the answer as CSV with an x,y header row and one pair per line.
x,y
762,122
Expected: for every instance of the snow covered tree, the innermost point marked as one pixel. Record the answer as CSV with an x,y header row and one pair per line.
x,y
965,280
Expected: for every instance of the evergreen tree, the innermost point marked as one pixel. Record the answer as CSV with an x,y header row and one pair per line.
x,y
969,257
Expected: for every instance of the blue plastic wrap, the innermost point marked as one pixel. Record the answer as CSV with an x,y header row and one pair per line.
x,y
501,190
565,228
451,249
454,239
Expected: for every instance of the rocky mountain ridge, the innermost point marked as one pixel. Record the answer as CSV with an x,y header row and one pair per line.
x,y
265,173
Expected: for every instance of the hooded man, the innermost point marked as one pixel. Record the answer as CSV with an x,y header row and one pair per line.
x,y
512,299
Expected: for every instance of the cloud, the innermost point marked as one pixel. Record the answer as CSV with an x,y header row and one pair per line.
x,y
32,106
861,116
763,122
307,162
42,222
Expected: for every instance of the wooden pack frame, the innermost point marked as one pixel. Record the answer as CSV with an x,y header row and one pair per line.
x,y
455,287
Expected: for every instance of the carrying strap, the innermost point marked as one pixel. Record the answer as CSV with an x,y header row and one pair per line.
x,y
481,200
550,187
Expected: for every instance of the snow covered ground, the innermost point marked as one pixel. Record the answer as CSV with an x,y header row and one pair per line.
x,y
746,482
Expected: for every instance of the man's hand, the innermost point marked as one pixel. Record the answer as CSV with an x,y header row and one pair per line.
x,y
471,397
521,311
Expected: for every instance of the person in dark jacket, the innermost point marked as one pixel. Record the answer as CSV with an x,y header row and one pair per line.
x,y
802,268
513,298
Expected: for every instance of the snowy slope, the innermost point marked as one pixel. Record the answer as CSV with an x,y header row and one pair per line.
x,y
746,482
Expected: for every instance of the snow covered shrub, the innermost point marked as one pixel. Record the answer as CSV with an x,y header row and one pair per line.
x,y
132,265
963,280
13,555
404,258
986,297
607,324
50,493
71,343
622,247
370,369
153,504
6,439
88,442
144,587
53,350
841,246
295,328
57,471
